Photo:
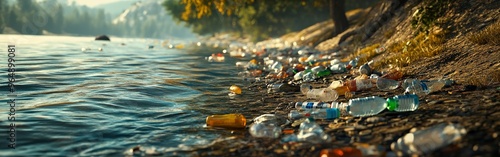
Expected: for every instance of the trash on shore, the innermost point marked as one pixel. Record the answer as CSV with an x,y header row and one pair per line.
x,y
425,141
235,120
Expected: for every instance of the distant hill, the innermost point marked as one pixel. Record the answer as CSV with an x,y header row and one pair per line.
x,y
116,8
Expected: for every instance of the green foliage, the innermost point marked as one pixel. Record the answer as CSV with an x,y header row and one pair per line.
x,y
259,19
425,16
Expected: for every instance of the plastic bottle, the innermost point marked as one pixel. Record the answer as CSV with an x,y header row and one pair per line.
x,y
227,121
341,152
403,103
323,73
423,87
368,106
425,141
327,113
281,87
265,126
312,105
393,74
360,150
353,63
386,84
338,68
365,68
322,94
359,84
311,132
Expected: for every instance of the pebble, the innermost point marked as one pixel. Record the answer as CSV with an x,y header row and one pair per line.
x,y
435,102
451,101
375,119
349,129
365,132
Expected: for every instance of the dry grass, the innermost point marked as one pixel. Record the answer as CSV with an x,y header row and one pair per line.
x,y
489,35
484,80
365,54
404,53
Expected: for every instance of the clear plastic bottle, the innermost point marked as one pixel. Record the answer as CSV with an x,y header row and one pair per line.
x,y
322,94
338,68
423,87
265,126
425,141
403,103
368,106
309,131
274,88
312,105
386,84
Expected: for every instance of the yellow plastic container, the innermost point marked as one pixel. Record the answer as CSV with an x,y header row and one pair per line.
x,y
234,120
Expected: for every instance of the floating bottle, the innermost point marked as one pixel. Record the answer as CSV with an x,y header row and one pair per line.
x,y
235,89
227,121
265,126
403,103
368,106
425,141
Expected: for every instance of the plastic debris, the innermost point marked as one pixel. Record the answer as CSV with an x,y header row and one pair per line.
x,y
227,121
425,141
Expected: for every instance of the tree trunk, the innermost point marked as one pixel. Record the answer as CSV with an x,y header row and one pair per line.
x,y
337,12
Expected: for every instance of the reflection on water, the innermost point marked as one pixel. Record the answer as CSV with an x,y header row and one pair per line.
x,y
104,103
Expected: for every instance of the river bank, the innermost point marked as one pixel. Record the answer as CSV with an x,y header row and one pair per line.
x,y
449,48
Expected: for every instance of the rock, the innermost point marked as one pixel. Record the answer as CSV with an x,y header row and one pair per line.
x,y
365,132
102,37
375,119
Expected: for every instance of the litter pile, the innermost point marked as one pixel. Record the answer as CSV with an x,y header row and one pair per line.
x,y
292,69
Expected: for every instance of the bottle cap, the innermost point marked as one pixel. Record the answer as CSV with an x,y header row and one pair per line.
x,y
392,104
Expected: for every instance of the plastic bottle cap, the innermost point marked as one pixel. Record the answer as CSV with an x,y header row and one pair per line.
x,y
392,104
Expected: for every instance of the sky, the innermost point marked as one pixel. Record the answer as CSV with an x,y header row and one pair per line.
x,y
92,3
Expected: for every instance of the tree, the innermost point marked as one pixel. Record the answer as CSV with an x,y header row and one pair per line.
x,y
337,13
259,18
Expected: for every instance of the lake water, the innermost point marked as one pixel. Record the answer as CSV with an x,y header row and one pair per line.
x,y
74,103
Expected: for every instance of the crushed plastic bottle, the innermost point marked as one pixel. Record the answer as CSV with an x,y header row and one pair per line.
x,y
281,87
322,94
368,106
386,84
403,103
227,121
265,126
365,68
423,87
311,132
425,141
